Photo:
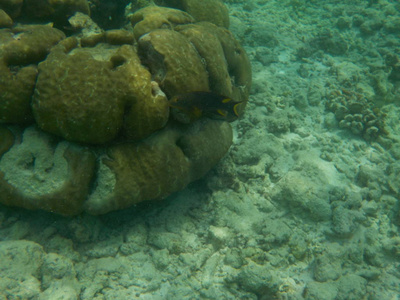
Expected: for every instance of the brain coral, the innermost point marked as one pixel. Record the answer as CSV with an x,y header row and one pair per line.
x,y
213,11
90,94
94,132
21,48
55,8
206,10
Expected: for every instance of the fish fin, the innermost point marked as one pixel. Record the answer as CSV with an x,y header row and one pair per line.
x,y
221,112
226,100
235,109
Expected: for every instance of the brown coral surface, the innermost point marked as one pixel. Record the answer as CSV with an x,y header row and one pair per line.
x,y
93,130
22,47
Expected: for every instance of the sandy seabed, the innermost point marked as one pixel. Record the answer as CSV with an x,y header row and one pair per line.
x,y
304,206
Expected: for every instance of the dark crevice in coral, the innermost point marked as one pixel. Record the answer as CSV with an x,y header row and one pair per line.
x,y
117,61
108,14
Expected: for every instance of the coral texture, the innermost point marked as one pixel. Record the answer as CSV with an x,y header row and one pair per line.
x,y
54,9
357,113
154,17
158,166
22,48
39,173
213,11
225,60
88,99
5,20
103,138
158,48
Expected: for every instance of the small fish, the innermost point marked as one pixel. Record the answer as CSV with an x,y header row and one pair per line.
x,y
191,106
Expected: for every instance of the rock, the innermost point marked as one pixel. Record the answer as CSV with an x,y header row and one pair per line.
x,y
20,265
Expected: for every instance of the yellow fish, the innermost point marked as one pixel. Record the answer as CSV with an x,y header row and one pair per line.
x,y
191,106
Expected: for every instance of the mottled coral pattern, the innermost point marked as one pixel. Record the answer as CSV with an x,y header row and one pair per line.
x,y
92,127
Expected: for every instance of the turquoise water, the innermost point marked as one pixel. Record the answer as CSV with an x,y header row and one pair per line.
x,y
305,205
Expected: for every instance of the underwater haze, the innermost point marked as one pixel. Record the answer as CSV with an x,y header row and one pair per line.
x,y
305,205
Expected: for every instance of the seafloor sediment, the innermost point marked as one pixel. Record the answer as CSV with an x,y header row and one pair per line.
x,y
304,206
